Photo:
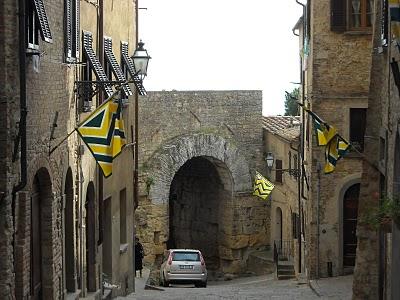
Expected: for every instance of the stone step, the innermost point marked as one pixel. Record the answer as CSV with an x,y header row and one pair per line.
x,y
286,277
261,262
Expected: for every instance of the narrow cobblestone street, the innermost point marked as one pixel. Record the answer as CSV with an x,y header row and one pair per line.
x,y
250,288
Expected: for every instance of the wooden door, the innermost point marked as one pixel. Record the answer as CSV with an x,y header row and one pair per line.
x,y
350,214
36,250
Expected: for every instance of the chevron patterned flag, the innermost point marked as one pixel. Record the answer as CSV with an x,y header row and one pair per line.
x,y
394,7
334,151
103,133
262,186
323,131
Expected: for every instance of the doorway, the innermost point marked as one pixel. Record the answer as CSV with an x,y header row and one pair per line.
x,y
350,215
36,242
278,224
91,242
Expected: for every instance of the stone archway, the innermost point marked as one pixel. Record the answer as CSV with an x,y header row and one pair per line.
x,y
165,163
222,166
69,242
91,242
42,238
199,200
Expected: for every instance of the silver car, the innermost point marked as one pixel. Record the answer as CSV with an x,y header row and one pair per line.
x,y
183,266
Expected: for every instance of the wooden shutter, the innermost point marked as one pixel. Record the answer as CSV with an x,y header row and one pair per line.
x,y
278,171
68,28
358,117
114,65
94,62
338,15
76,22
396,74
384,22
131,69
43,21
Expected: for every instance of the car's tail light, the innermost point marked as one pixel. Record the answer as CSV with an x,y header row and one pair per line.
x,y
170,259
203,263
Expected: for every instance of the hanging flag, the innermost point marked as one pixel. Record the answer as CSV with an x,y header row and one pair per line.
x,y
323,131
262,186
334,151
394,7
103,133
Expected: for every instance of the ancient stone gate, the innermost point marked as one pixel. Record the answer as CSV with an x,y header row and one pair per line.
x,y
197,155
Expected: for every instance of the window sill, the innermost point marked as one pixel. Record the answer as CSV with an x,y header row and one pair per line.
x,y
123,248
358,32
32,51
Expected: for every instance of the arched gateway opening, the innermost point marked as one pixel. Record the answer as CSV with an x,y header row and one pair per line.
x,y
200,194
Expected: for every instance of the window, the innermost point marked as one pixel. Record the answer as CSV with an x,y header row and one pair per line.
x,y
351,15
128,64
290,162
278,171
36,21
113,67
71,29
357,127
92,64
384,22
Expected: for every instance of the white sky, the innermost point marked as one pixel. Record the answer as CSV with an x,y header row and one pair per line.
x,y
222,45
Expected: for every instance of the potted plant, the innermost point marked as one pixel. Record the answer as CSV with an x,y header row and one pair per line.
x,y
383,215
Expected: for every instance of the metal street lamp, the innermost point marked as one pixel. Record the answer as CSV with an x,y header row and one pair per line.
x,y
141,60
270,160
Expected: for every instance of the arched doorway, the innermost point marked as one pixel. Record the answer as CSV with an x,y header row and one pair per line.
x,y
199,197
278,224
69,244
41,235
350,215
90,238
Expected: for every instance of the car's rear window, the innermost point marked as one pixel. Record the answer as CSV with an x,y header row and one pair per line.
x,y
185,256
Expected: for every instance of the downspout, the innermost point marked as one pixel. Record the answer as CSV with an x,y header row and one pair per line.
x,y
298,178
135,147
22,98
23,112
318,199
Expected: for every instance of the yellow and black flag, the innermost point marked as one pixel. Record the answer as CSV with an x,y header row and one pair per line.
x,y
334,151
262,186
103,133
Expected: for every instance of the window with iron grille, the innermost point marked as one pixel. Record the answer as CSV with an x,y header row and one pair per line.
x,y
71,29
36,21
357,127
351,15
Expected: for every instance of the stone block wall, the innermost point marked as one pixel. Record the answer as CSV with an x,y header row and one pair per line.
x,y
337,79
225,128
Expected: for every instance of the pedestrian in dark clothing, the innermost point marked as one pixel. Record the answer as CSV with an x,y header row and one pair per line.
x,y
139,254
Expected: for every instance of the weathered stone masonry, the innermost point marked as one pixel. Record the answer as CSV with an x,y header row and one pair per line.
x,y
220,130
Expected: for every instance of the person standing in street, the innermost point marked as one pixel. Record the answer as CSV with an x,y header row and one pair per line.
x,y
139,254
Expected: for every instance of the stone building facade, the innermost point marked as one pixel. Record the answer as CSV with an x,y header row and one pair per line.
x,y
281,141
56,227
198,151
335,50
378,266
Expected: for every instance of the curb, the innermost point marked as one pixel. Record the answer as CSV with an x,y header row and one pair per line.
x,y
152,287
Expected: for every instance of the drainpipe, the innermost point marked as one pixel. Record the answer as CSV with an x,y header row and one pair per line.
x,y
135,147
22,98
298,178
318,199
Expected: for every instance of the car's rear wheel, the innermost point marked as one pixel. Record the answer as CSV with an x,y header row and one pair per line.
x,y
200,284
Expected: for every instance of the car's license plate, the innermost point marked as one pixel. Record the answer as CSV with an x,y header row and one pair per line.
x,y
186,266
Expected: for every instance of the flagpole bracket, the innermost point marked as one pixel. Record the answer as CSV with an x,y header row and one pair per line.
x,y
87,89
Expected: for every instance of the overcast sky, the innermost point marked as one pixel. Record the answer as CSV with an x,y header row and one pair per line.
x,y
222,45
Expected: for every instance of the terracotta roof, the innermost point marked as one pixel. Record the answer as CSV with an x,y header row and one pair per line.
x,y
287,127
